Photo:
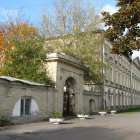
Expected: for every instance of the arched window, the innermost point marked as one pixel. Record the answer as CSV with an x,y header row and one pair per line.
x,y
25,106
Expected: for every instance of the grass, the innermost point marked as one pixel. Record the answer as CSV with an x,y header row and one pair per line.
x,y
129,111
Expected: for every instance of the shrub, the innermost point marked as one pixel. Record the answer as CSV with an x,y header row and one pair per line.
x,y
57,115
102,111
82,112
5,120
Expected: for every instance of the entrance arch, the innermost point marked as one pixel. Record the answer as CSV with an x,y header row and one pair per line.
x,y
70,89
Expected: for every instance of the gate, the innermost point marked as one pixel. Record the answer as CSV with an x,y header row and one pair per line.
x,y
69,104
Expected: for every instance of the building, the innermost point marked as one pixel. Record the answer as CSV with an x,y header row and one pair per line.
x,y
122,84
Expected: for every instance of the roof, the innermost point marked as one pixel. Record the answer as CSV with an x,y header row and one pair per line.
x,y
66,58
11,79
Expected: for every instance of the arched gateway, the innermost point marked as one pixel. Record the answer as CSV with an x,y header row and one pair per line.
x,y
67,73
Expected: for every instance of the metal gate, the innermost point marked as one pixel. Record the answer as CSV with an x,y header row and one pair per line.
x,y
69,104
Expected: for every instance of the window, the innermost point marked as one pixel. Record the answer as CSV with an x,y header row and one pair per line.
x,y
106,73
116,57
25,106
115,76
111,74
120,78
120,59
126,82
123,80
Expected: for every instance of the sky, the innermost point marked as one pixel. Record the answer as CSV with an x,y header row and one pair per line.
x,y
32,9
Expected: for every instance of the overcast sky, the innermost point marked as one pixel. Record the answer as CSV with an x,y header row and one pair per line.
x,y
32,9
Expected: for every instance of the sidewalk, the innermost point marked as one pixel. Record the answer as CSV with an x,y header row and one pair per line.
x,y
34,127
27,128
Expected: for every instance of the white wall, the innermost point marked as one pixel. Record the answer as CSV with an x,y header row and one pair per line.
x,y
34,107
16,110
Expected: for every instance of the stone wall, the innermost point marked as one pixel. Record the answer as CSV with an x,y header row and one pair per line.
x,y
11,92
46,98
92,102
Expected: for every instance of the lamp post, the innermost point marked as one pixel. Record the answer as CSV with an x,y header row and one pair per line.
x,y
103,79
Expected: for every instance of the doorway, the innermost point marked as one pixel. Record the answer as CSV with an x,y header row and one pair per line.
x,y
69,97
92,106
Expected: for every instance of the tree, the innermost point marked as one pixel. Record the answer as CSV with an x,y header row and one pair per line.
x,y
74,29
69,16
25,58
124,27
11,33
3,47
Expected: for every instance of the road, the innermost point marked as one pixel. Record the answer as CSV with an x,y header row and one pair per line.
x,y
110,127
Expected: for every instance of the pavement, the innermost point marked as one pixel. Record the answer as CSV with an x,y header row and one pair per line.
x,y
109,127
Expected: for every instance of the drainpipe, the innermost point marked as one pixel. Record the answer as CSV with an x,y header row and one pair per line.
x,y
131,90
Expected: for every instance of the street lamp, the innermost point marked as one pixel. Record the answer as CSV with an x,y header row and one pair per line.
x,y
103,79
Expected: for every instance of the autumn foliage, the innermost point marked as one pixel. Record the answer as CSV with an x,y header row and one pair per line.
x,y
10,33
22,53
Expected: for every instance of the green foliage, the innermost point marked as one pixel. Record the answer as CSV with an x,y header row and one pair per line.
x,y
102,111
124,29
129,111
84,46
5,120
57,115
26,62
82,112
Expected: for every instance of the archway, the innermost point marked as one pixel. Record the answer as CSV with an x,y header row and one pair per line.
x,y
70,89
92,106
